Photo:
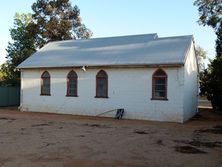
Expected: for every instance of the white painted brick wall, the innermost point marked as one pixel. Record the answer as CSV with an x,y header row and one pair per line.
x,y
129,88
190,85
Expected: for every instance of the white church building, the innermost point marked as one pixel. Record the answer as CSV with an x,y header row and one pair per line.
x,y
151,78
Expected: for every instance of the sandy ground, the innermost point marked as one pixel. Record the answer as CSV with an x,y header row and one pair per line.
x,y
38,139
203,103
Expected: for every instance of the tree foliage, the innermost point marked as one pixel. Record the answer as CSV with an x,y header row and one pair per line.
x,y
211,83
201,55
210,12
200,52
219,40
51,20
55,20
21,47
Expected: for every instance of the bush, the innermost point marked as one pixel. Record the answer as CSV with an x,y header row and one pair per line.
x,y
211,83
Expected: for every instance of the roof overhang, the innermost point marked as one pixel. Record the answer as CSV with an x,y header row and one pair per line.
x,y
112,66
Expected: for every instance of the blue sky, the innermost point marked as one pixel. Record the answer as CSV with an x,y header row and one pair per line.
x,y
124,17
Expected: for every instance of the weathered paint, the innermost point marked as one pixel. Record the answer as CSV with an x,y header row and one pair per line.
x,y
130,89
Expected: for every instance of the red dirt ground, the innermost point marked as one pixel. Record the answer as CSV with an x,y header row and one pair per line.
x,y
40,139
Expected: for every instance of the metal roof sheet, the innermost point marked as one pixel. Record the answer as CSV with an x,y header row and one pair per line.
x,y
145,49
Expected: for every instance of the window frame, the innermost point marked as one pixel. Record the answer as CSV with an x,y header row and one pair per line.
x,y
104,76
42,81
68,84
154,77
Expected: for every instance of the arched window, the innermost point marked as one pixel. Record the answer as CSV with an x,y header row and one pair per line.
x,y
45,83
72,79
159,87
102,84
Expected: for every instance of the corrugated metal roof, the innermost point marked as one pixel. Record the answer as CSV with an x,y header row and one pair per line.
x,y
145,49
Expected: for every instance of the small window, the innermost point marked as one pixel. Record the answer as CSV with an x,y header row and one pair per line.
x,y
45,83
72,83
159,90
102,84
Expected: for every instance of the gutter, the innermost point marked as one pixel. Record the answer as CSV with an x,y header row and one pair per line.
x,y
109,66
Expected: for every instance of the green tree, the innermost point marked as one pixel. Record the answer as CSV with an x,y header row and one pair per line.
x,y
21,47
210,12
52,20
55,20
211,83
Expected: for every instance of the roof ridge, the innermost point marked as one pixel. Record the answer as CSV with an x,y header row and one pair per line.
x,y
131,35
170,37
111,37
